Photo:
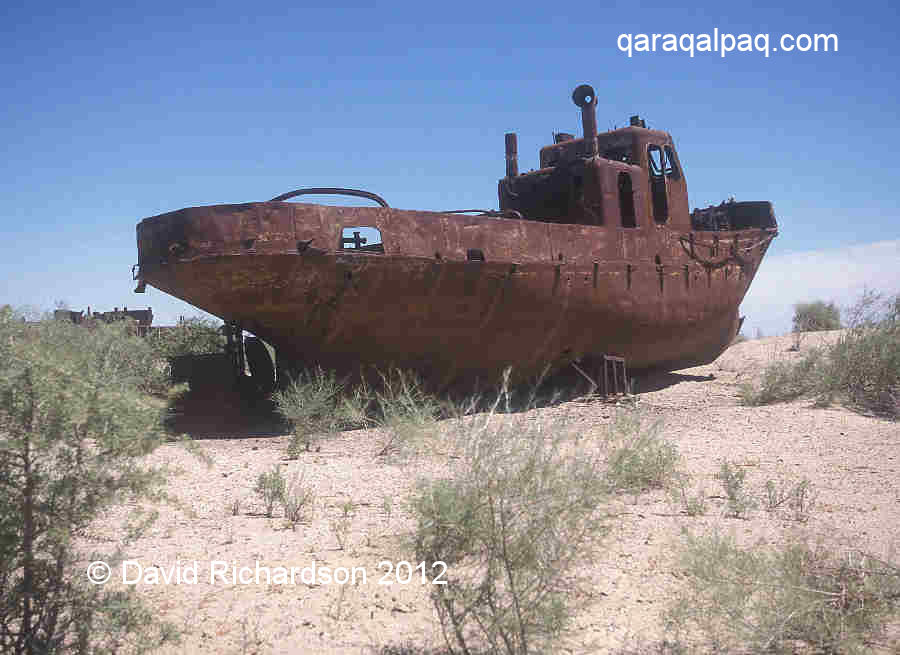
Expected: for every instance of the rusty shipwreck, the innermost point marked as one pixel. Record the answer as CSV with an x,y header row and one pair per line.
x,y
595,253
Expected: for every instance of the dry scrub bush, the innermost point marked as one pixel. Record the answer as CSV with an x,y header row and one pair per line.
x,y
513,525
312,403
517,520
406,411
319,404
794,598
783,380
864,365
74,422
862,368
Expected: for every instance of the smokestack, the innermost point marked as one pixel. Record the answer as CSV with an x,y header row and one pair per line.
x,y
584,97
512,155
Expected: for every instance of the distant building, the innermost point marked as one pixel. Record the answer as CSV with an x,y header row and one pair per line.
x,y
68,315
143,317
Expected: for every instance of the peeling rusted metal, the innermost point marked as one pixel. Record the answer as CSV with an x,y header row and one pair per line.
x,y
555,277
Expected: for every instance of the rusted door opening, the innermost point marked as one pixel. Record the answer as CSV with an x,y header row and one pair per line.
x,y
626,201
658,184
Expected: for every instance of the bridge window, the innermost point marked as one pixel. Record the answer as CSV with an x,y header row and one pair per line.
x,y
658,184
670,167
626,201
361,239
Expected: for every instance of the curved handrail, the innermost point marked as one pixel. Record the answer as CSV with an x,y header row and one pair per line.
x,y
332,191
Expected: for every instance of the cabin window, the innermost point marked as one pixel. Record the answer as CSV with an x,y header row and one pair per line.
x,y
361,239
670,167
626,201
658,184
622,153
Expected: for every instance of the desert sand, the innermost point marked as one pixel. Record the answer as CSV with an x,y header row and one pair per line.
x,y
852,462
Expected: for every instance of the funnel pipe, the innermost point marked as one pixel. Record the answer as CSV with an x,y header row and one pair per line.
x,y
512,155
584,97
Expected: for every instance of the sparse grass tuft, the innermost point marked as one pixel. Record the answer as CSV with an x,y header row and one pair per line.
x,y
297,499
639,459
796,598
797,498
692,504
341,525
271,487
739,500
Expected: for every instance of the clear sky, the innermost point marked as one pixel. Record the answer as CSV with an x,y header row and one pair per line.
x,y
115,112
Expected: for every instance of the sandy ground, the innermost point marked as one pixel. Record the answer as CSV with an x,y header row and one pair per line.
x,y
852,461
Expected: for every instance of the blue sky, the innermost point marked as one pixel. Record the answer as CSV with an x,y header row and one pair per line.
x,y
112,113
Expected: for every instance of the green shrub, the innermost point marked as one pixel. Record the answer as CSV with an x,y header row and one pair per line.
x,y
862,368
864,364
318,404
783,380
405,410
74,419
795,598
815,316
312,403
513,526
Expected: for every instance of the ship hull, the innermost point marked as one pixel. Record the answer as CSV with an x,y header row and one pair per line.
x,y
545,294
